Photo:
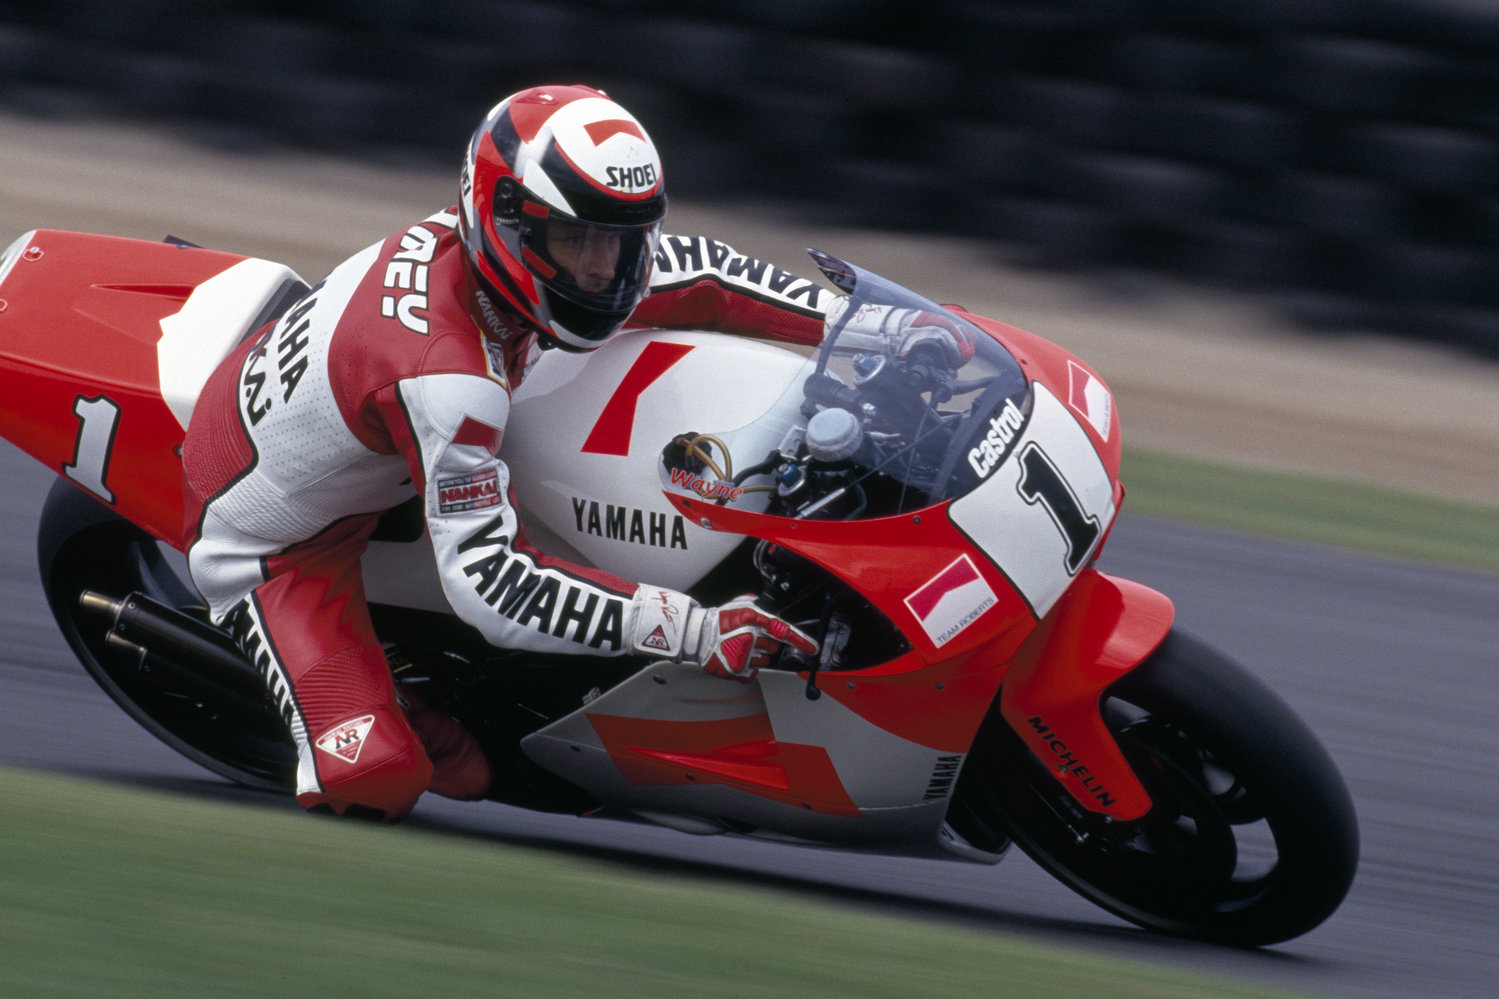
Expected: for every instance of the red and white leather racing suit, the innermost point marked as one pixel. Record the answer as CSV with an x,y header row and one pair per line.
x,y
394,375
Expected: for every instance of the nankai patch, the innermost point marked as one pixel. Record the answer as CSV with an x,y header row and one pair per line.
x,y
468,492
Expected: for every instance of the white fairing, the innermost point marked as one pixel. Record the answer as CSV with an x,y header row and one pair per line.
x,y
1040,536
586,433
900,800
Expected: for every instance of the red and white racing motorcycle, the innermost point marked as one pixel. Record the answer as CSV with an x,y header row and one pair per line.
x,y
934,529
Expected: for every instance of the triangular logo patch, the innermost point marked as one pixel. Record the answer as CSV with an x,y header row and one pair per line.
x,y
657,640
346,739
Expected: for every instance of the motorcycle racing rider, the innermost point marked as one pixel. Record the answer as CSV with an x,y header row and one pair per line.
x,y
392,376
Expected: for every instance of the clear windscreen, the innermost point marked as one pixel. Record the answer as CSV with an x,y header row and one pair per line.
x,y
903,405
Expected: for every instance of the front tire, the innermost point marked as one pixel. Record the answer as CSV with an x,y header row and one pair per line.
x,y
1251,838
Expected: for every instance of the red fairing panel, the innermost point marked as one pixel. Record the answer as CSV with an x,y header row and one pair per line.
x,y
938,694
1101,629
79,383
738,752
860,551
1078,385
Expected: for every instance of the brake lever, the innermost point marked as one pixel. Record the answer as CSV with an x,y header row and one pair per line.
x,y
830,656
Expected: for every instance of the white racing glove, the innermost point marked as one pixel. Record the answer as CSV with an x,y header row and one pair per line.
x,y
733,640
885,329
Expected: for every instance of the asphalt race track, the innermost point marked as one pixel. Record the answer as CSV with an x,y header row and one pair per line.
x,y
1392,664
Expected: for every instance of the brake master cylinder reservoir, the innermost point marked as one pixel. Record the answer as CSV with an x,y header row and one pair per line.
x,y
833,435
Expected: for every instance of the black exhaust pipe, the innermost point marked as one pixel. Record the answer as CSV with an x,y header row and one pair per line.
x,y
191,648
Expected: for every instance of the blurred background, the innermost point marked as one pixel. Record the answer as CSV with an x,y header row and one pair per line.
x,y
1340,157
1273,225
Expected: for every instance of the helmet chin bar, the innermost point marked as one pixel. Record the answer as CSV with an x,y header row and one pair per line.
x,y
551,336
566,336
497,309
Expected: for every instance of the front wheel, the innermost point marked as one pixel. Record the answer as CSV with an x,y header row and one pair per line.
x,y
1251,838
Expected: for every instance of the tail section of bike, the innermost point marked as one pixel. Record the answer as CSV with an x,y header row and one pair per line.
x,y
104,344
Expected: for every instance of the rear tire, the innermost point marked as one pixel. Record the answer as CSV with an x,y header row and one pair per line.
x,y
83,545
1251,838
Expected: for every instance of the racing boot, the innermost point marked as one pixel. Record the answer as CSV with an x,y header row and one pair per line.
x,y
460,770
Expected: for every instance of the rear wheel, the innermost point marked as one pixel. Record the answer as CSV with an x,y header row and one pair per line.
x,y
1251,838
84,546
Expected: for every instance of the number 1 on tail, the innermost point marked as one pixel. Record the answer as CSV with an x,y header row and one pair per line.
x,y
98,418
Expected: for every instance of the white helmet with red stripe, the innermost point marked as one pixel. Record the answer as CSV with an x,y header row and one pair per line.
x,y
561,207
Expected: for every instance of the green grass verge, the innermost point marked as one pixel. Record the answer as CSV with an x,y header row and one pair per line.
x,y
116,893
1348,514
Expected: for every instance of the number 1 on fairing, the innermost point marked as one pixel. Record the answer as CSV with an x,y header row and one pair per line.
x,y
98,418
1041,482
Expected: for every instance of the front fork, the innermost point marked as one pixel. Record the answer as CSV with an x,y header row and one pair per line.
x,y
1053,692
